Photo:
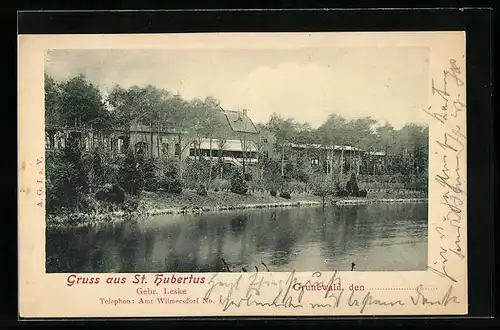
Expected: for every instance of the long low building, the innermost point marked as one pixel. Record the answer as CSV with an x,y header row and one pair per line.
x,y
230,151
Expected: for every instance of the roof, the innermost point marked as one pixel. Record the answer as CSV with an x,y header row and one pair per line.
x,y
229,145
320,146
240,122
377,153
141,128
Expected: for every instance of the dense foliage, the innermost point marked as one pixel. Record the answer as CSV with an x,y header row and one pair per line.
x,y
238,183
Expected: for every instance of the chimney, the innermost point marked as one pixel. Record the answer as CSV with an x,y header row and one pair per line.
x,y
245,112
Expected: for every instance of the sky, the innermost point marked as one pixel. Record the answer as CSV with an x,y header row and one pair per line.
x,y
307,84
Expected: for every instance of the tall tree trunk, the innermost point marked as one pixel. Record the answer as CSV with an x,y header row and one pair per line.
x,y
385,159
342,161
359,162
210,169
327,161
243,152
151,134
283,160
220,156
158,140
332,153
350,161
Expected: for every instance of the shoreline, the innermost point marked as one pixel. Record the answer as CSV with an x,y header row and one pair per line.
x,y
340,202
152,206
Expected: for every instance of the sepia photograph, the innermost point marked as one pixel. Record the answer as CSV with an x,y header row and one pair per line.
x,y
236,160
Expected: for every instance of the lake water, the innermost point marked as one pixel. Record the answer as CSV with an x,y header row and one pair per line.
x,y
376,237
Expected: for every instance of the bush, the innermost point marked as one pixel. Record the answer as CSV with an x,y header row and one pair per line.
x,y
66,180
285,194
323,185
196,171
352,186
131,204
201,190
273,192
130,176
220,184
362,193
170,176
110,193
150,174
342,193
297,187
238,183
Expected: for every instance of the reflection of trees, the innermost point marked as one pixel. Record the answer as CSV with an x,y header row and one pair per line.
x,y
184,248
98,256
129,243
285,236
266,224
241,239
238,224
220,254
149,239
67,252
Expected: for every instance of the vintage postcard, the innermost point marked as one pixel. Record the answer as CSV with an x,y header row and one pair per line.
x,y
242,174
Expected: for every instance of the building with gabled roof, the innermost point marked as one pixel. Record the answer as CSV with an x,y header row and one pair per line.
x,y
240,122
234,143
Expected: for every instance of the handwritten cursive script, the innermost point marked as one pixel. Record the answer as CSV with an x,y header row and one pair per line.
x,y
368,300
420,299
234,294
451,146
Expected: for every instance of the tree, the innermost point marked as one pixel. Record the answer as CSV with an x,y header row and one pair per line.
x,y
238,183
360,134
283,130
352,186
81,103
66,179
170,179
130,176
385,140
52,97
99,167
332,133
150,173
323,185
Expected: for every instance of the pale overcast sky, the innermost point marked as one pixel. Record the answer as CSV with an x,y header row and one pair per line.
x,y
308,84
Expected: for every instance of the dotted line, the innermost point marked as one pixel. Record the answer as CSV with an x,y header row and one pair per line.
x,y
401,289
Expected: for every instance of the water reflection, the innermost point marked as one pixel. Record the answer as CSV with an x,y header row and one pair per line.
x,y
375,237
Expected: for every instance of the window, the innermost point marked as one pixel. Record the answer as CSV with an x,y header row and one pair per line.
x,y
75,139
314,161
50,140
265,140
60,141
141,148
164,148
47,142
119,145
177,149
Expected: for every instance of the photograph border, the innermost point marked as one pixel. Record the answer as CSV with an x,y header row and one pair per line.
x,y
468,73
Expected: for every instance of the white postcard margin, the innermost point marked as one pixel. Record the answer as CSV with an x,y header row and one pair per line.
x,y
441,290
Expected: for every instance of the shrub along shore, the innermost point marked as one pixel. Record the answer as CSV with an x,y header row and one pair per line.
x,y
190,202
91,188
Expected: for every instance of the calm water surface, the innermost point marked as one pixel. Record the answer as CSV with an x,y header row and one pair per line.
x,y
375,237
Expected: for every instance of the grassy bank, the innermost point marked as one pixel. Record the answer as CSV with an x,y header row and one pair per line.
x,y
154,203
190,202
